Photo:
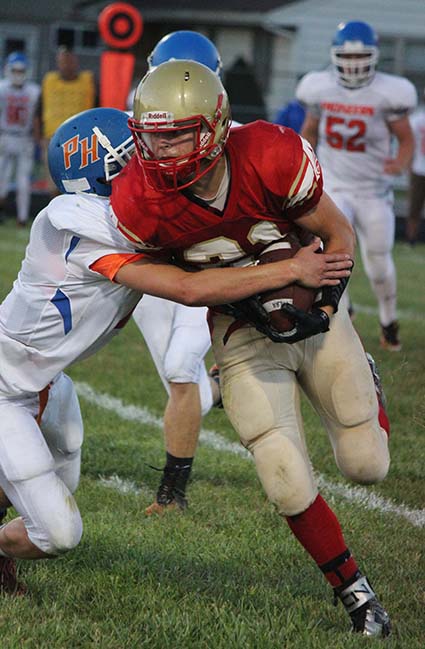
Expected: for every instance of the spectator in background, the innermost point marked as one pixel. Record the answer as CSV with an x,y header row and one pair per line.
x,y
65,92
292,115
19,132
417,177
245,94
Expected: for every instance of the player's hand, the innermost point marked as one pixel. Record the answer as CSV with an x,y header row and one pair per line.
x,y
306,325
316,270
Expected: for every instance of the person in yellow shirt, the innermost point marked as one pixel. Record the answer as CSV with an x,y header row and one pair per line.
x,y
64,92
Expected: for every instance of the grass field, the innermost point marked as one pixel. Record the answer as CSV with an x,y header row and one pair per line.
x,y
228,573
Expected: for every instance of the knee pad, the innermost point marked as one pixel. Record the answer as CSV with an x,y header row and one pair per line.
x,y
24,453
362,454
181,366
378,266
50,514
340,406
284,471
62,424
64,536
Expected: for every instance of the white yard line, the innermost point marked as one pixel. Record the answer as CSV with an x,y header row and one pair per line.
x,y
116,483
403,314
358,495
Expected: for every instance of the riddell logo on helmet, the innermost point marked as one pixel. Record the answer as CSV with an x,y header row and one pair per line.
x,y
157,116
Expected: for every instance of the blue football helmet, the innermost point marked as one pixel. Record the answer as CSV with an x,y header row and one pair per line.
x,y
89,149
186,45
354,54
16,68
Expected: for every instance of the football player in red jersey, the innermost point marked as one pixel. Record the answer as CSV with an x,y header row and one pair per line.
x,y
209,199
65,304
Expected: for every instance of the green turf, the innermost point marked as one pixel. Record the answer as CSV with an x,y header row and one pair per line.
x,y
227,574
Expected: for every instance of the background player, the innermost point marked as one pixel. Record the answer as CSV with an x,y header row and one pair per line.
x,y
352,114
177,336
19,132
78,285
208,198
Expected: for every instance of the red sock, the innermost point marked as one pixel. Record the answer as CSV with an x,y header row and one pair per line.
x,y
384,422
318,530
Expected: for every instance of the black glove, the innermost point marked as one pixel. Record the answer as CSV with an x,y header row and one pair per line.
x,y
305,324
331,295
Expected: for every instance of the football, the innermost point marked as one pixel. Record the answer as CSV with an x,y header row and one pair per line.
x,y
300,296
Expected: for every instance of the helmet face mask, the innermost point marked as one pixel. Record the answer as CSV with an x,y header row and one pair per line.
x,y
180,124
354,54
116,157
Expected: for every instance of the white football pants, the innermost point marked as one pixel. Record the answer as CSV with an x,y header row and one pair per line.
x,y
17,152
178,338
374,222
40,465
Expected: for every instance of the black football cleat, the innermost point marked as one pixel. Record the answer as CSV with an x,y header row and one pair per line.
x,y
171,491
368,616
390,339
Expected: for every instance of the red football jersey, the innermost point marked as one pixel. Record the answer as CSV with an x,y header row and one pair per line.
x,y
274,179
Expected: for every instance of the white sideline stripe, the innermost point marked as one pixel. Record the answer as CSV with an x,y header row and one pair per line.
x,y
144,416
403,314
372,501
124,486
359,495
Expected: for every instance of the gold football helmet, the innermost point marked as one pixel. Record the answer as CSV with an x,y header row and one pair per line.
x,y
175,99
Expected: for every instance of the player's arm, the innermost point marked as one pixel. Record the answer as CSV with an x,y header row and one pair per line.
x,y
221,285
329,223
326,221
310,129
402,131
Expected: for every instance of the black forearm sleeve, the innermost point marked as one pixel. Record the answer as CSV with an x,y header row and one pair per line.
x,y
331,295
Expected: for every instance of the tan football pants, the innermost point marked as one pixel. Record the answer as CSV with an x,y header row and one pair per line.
x,y
260,383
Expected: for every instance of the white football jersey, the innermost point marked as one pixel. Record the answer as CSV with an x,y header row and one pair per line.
x,y
354,138
17,107
417,121
59,309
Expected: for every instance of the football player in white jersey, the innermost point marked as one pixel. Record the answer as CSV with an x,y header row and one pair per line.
x,y
417,177
177,336
19,132
353,113
78,285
